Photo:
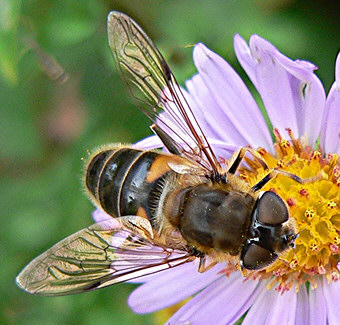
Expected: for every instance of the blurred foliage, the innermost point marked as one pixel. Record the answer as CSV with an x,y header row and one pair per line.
x,y
46,126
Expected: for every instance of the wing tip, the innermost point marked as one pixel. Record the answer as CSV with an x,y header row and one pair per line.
x,y
115,13
28,279
18,281
116,16
21,282
114,19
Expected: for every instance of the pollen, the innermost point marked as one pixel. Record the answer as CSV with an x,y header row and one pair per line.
x,y
314,208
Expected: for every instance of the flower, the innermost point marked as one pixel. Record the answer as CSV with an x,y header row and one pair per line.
x,y
302,286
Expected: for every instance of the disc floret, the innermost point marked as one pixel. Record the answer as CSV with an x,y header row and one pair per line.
x,y
314,208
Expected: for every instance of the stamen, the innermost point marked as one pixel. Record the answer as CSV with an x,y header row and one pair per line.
x,y
331,204
293,264
314,246
310,213
321,269
303,192
280,163
335,276
244,177
291,202
284,144
316,155
262,151
334,248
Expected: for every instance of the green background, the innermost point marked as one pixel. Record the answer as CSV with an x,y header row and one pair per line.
x,y
47,127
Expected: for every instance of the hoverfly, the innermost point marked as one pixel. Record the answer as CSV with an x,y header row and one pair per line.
x,y
167,209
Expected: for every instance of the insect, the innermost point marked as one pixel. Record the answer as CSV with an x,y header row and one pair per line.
x,y
49,65
167,209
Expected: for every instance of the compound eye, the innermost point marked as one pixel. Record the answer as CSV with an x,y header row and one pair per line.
x,y
255,257
271,209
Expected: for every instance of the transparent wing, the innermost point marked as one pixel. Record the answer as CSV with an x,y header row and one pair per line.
x,y
155,90
103,254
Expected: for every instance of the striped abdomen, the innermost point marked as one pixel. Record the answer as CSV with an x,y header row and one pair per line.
x,y
125,181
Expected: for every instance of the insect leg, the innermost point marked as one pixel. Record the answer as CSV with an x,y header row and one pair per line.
x,y
168,142
292,176
239,157
203,267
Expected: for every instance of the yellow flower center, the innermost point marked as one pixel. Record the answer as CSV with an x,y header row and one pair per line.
x,y
314,207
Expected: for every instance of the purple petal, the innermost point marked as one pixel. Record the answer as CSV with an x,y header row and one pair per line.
x,y
173,287
151,142
221,149
332,299
330,133
317,306
302,307
206,121
272,307
311,109
245,58
270,79
212,113
99,215
284,308
232,98
223,302
292,94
